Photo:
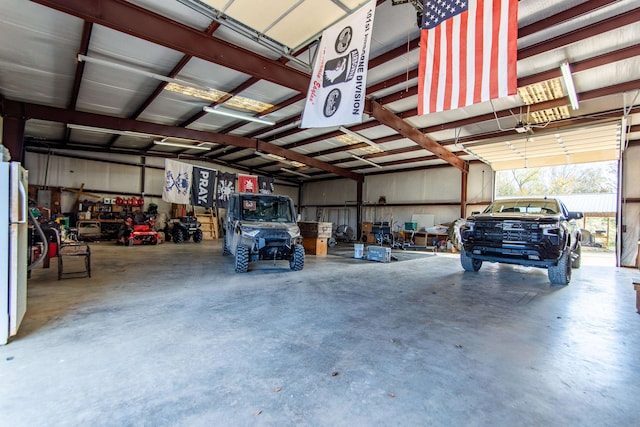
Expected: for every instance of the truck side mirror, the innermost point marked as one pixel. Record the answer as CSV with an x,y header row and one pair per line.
x,y
576,215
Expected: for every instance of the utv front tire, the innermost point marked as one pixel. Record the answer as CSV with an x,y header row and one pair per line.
x,y
468,263
561,274
296,262
242,259
225,248
197,236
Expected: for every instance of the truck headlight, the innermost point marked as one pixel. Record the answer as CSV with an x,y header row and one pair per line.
x,y
550,229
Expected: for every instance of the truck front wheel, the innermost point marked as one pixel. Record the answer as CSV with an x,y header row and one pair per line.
x,y
560,274
468,263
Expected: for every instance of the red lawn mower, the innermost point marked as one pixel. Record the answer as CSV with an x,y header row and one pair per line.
x,y
138,231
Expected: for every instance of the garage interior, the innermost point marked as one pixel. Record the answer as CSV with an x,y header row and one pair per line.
x,y
92,92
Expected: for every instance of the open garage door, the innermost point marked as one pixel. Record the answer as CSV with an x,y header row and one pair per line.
x,y
536,148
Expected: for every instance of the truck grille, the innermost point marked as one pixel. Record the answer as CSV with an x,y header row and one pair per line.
x,y
508,231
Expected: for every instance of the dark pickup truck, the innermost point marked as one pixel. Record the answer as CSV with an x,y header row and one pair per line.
x,y
537,232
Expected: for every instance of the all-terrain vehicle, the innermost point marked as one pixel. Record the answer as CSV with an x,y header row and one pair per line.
x,y
184,228
538,232
262,227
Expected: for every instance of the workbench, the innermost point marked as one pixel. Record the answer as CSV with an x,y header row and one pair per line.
x,y
422,239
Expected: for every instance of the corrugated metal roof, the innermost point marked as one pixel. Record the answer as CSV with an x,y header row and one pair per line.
x,y
39,64
589,204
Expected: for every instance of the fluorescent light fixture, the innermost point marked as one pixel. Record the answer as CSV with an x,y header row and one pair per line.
x,y
362,159
200,146
237,115
359,137
280,159
568,82
111,131
295,172
140,71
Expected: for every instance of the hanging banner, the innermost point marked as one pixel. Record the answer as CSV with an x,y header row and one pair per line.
x,y
265,185
225,188
247,183
177,182
339,80
203,187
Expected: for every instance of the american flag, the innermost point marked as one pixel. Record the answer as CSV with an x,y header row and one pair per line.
x,y
468,53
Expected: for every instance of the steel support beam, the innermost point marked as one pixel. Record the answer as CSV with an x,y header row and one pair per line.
x,y
13,137
405,129
25,111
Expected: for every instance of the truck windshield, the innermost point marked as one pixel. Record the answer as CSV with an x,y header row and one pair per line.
x,y
266,209
542,206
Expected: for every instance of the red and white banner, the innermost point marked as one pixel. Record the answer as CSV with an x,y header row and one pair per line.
x,y
247,183
468,53
339,80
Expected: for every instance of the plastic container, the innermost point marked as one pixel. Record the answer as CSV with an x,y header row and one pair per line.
x,y
358,250
379,253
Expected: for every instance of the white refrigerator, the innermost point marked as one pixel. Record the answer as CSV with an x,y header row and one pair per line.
x,y
14,181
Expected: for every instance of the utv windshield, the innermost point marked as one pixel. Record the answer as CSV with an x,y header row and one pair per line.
x,y
266,208
542,206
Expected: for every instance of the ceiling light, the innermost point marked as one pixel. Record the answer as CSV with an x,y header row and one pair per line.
x,y
568,82
362,159
229,113
124,67
181,145
359,137
111,131
295,172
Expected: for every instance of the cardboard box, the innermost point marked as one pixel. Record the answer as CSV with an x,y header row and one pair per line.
x,y
420,239
314,246
316,230
378,253
367,227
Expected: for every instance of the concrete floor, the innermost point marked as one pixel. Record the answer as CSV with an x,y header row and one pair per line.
x,y
170,335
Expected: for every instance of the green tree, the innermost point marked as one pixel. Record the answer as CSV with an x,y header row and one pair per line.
x,y
565,179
